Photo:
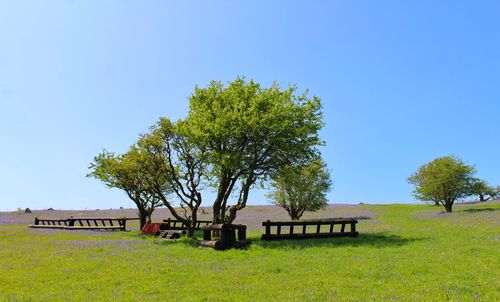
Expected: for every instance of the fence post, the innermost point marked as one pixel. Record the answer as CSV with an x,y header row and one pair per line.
x,y
36,220
224,236
268,228
242,233
207,234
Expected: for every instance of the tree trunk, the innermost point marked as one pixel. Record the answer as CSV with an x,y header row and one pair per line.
x,y
448,207
142,221
192,224
217,206
143,217
149,215
294,213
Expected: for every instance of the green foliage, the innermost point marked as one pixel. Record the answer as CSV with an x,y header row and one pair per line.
x,y
249,132
171,156
300,189
164,168
494,192
443,181
482,189
126,172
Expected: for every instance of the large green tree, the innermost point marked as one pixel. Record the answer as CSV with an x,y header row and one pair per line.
x,y
250,132
443,181
301,189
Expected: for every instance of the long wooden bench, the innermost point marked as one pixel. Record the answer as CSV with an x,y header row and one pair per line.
x,y
174,224
83,223
302,229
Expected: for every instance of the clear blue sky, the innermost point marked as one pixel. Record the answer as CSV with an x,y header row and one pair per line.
x,y
402,82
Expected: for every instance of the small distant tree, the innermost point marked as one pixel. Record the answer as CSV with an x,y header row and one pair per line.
x,y
298,190
443,181
494,192
482,190
125,172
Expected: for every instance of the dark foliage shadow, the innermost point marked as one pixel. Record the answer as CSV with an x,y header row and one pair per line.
x,y
362,217
166,242
182,241
480,210
378,240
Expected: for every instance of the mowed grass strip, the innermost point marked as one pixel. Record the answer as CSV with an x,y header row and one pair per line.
x,y
404,253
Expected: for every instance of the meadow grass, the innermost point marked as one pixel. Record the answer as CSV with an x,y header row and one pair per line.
x,y
403,253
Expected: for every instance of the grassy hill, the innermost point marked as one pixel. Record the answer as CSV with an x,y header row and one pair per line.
x,y
403,253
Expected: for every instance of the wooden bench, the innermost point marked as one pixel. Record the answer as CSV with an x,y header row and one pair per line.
x,y
302,229
173,224
227,236
83,223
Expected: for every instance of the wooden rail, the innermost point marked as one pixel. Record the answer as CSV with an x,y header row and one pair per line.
x,y
173,224
83,223
299,229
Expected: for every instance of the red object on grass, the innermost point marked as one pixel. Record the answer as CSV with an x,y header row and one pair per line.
x,y
151,228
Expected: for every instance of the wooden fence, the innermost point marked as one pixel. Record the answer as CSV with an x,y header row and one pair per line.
x,y
309,229
83,223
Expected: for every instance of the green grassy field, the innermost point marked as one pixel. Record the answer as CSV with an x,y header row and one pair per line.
x,y
404,253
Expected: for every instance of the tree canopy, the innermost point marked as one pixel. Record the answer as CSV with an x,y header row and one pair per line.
x,y
250,132
443,181
234,137
483,190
